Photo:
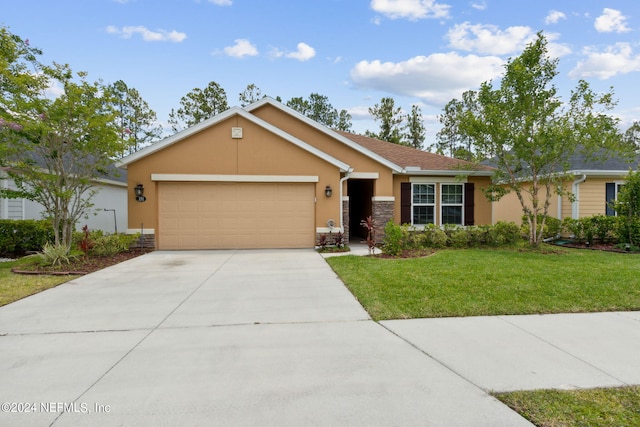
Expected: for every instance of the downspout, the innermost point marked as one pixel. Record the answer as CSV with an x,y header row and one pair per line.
x,y
342,180
575,190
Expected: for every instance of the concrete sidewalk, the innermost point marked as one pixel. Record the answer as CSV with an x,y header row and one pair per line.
x,y
506,353
273,337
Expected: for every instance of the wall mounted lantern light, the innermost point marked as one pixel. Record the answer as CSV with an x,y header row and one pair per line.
x,y
139,192
328,191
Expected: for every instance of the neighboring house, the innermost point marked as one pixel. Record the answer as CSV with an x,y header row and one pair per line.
x,y
266,176
112,195
593,183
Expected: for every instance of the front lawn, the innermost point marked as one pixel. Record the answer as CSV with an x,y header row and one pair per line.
x,y
479,282
600,407
17,286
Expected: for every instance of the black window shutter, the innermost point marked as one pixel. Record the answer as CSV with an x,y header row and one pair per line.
x,y
611,197
469,203
405,203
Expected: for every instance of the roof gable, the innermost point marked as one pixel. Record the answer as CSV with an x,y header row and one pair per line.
x,y
153,148
327,131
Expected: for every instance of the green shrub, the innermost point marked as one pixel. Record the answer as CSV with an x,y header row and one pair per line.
x,y
99,243
54,255
433,236
399,238
627,230
552,226
458,236
574,227
507,233
17,237
605,227
112,244
395,238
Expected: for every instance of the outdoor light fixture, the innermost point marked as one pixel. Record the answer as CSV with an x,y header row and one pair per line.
x,y
139,192
328,191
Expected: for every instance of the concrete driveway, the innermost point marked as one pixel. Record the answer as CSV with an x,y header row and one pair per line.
x,y
233,338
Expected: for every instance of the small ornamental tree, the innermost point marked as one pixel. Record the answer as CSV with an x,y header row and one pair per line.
x,y
53,147
60,146
530,134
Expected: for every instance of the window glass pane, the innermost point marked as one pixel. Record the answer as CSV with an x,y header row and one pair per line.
x,y
452,194
423,194
452,215
423,215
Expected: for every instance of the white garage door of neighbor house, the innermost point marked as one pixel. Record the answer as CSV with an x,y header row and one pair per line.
x,y
232,215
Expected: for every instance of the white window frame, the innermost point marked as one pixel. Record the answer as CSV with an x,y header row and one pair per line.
x,y
414,205
444,205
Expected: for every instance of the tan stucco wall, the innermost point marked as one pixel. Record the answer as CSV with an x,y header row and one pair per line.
x,y
482,208
213,151
383,186
509,208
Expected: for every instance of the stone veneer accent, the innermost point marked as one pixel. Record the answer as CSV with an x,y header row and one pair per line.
x,y
145,241
345,219
382,213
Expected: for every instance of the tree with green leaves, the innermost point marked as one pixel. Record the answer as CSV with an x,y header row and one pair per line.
x,y
198,106
390,118
57,147
529,134
632,136
137,123
251,94
344,121
627,207
317,107
450,140
415,130
20,80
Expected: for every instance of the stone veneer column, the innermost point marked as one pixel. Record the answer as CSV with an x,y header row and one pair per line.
x,y
382,208
345,218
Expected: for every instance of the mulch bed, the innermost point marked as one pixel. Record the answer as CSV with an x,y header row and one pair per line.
x,y
82,265
414,253
597,246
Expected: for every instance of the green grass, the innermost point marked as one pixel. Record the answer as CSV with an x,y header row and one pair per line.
x,y
474,282
17,286
600,407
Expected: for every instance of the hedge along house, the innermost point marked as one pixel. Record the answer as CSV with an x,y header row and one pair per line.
x,y
265,176
594,184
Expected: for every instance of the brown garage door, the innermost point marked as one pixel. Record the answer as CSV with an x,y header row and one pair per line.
x,y
223,215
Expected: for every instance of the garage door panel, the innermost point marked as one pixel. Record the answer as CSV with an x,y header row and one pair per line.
x,y
236,215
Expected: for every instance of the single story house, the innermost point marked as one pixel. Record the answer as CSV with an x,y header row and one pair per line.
x,y
109,213
266,176
594,184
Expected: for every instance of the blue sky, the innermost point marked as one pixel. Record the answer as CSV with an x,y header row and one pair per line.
x,y
355,52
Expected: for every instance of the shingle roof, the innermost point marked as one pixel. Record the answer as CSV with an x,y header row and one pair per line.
x,y
404,156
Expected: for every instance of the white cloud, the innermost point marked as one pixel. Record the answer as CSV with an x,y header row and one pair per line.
x,y
304,52
479,6
148,35
359,113
616,59
611,21
411,9
221,2
436,79
554,17
241,49
489,39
